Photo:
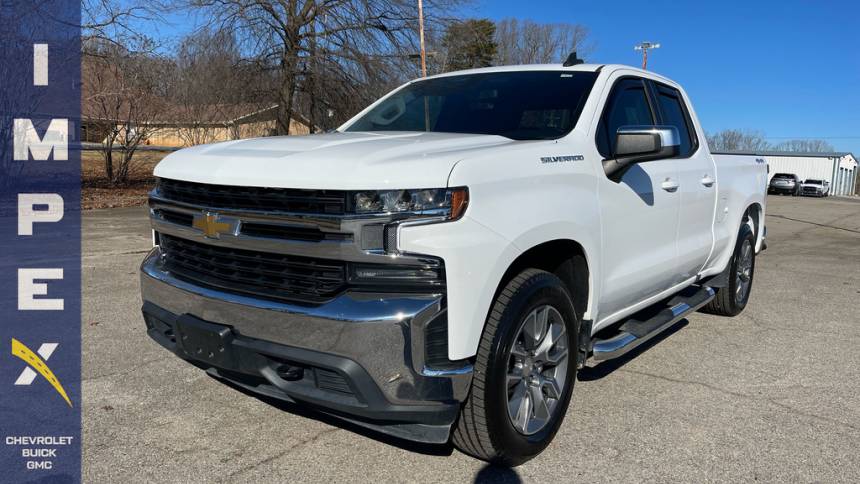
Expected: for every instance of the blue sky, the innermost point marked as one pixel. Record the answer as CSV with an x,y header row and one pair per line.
x,y
789,68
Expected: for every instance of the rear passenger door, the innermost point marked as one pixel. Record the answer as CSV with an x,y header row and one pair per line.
x,y
697,180
639,212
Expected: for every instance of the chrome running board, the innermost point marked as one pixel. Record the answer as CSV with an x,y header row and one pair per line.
x,y
650,322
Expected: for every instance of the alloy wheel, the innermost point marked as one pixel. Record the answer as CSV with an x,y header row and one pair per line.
x,y
537,370
743,277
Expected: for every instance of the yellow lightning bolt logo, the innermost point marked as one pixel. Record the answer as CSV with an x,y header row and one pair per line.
x,y
32,359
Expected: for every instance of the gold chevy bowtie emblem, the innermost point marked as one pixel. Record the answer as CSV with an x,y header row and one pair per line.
x,y
210,226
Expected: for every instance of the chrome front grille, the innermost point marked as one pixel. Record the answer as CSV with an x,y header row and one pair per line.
x,y
261,274
280,254
262,199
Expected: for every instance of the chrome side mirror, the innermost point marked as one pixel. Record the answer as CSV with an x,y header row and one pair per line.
x,y
638,144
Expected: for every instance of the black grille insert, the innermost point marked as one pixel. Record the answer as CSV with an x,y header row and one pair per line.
x,y
436,346
254,198
331,381
287,232
262,274
178,218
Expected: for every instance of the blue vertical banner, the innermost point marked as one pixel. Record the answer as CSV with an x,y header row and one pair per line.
x,y
40,241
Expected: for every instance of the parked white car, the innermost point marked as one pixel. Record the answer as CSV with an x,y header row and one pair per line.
x,y
442,265
815,188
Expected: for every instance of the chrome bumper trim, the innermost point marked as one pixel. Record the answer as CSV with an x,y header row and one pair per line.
x,y
383,333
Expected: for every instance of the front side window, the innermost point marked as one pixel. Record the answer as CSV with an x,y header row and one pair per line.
x,y
627,106
518,105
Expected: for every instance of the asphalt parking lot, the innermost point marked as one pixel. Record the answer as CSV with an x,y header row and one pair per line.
x,y
771,395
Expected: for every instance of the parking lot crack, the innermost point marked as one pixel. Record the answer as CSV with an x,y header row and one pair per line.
x,y
303,443
103,255
824,225
122,372
787,408
763,327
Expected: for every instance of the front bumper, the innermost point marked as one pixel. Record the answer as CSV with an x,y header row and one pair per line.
x,y
360,356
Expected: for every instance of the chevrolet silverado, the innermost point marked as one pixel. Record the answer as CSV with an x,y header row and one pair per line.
x,y
441,266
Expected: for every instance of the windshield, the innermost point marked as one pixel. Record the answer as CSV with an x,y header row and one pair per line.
x,y
518,105
783,175
814,182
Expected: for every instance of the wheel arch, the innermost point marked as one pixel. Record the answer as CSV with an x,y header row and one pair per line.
x,y
754,213
567,259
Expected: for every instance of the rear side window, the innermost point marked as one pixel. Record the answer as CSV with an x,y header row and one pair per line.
x,y
675,114
627,106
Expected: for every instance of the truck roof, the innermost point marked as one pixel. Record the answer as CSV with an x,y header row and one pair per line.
x,y
552,67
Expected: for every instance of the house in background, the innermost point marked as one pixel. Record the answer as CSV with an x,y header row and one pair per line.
x,y
181,126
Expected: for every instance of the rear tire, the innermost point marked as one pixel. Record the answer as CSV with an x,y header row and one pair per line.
x,y
733,298
494,425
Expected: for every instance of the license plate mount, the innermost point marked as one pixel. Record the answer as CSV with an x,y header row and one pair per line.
x,y
204,341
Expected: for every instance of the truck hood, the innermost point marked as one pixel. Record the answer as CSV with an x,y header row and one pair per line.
x,y
345,161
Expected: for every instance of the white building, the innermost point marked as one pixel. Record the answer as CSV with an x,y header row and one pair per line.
x,y
839,168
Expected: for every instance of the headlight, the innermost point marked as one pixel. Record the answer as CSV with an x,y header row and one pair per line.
x,y
448,202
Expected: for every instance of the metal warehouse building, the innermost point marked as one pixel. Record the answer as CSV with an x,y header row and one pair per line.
x,y
839,168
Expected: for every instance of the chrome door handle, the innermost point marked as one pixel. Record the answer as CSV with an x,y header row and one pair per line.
x,y
708,181
669,185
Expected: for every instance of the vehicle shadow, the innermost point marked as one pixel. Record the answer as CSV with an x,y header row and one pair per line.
x,y
488,473
607,367
492,473
303,411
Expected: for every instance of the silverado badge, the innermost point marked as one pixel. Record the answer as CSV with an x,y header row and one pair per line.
x,y
561,159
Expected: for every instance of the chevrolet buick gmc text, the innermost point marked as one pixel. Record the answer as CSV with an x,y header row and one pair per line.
x,y
441,266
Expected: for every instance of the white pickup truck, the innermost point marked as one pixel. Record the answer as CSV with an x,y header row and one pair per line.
x,y
440,267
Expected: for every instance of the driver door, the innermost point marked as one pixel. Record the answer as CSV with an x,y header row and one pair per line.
x,y
639,212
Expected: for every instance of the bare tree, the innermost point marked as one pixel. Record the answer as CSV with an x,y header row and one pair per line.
x,y
110,21
805,145
207,85
528,42
120,102
738,140
353,42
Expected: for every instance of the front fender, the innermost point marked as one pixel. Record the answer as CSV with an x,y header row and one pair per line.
x,y
475,258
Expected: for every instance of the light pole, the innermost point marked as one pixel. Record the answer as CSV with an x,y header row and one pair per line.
x,y
421,38
645,47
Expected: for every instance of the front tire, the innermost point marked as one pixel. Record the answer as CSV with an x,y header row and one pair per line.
x,y
524,374
732,299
